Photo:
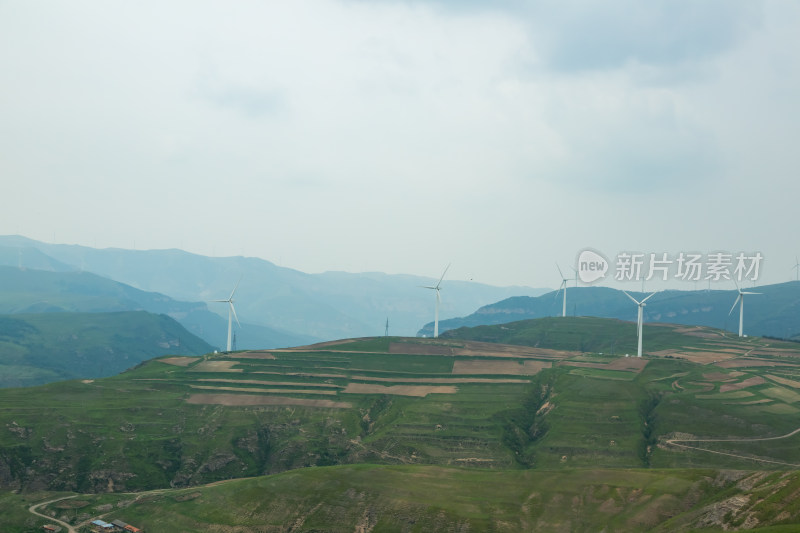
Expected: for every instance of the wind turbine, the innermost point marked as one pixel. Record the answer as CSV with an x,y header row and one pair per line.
x,y
796,267
437,288
639,320
231,313
562,286
740,300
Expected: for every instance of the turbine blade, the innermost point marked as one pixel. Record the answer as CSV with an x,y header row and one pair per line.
x,y
234,313
443,273
643,301
559,271
634,300
752,292
438,296
234,289
734,304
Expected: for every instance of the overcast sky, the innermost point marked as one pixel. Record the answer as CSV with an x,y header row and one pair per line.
x,y
400,136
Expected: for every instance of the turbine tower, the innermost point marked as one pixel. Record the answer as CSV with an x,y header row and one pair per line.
x,y
740,300
639,320
564,287
437,288
231,313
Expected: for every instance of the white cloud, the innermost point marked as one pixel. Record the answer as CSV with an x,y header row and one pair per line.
x,y
399,136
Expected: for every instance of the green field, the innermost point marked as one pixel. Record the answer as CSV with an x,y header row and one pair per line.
x,y
570,433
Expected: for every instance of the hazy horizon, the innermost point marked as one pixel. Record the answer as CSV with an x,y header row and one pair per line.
x,y
400,137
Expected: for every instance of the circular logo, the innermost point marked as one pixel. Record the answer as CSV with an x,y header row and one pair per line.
x,y
592,266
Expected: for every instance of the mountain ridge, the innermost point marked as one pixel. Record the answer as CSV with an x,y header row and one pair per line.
x,y
325,306
775,312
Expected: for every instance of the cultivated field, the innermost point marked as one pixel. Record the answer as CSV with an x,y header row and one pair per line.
x,y
447,409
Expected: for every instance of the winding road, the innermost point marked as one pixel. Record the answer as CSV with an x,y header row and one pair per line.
x,y
33,509
674,442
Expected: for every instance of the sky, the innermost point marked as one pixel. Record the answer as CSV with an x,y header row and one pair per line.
x,y
402,136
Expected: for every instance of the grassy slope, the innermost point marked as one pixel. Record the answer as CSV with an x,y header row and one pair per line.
x,y
563,419
421,499
583,334
46,347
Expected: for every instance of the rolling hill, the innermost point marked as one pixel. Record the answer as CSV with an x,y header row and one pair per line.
x,y
699,433
41,291
46,347
775,312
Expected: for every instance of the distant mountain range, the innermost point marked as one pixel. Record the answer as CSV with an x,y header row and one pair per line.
x,y
295,307
775,312
39,291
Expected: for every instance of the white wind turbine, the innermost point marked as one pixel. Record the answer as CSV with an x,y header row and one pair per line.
x,y
740,300
231,313
639,320
564,287
796,267
438,300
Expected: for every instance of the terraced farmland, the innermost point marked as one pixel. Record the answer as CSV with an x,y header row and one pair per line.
x,y
698,399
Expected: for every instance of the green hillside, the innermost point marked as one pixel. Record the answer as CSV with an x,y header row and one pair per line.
x,y
422,499
702,419
774,312
47,347
597,335
26,291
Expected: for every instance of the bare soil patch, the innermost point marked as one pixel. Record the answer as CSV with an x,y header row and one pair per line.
x,y
705,358
314,347
273,383
749,382
782,352
784,381
178,361
722,376
476,349
629,364
442,381
399,390
526,367
740,363
254,355
239,400
216,366
267,391
732,395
